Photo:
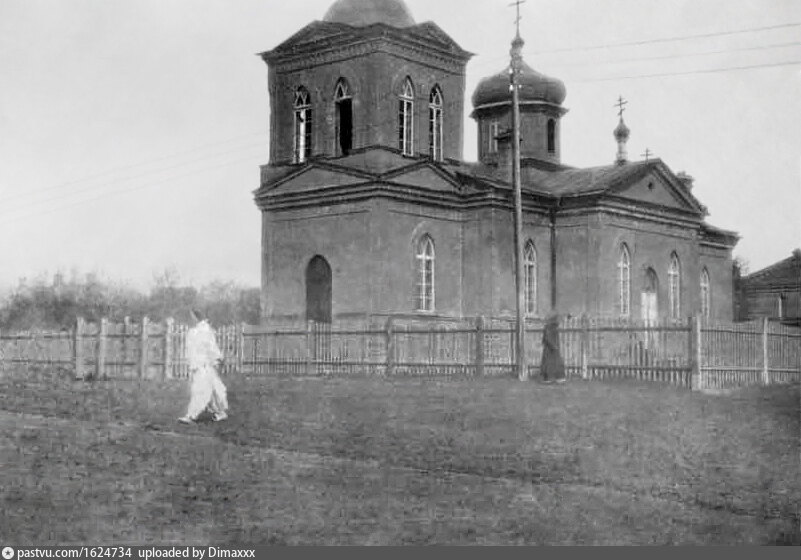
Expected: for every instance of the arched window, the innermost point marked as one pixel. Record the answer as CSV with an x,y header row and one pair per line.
x,y
435,124
530,273
303,125
425,274
674,287
406,119
551,136
781,304
706,295
624,281
344,117
492,137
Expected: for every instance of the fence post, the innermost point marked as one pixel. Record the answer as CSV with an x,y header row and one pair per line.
x,y
479,346
168,348
100,364
240,347
390,339
585,346
143,351
309,344
697,380
765,364
126,331
78,348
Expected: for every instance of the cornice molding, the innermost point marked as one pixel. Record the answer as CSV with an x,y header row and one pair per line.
x,y
338,51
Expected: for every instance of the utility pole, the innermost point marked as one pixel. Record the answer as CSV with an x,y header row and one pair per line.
x,y
520,329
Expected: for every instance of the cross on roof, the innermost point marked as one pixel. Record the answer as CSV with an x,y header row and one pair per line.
x,y
647,155
621,105
516,4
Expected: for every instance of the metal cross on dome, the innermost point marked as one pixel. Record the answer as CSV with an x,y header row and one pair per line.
x,y
621,105
516,4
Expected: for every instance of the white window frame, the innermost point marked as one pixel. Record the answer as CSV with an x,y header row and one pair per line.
x,y
674,287
492,141
406,119
435,125
426,259
706,295
530,275
303,125
624,281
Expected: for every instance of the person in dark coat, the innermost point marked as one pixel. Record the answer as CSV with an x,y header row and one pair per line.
x,y
552,366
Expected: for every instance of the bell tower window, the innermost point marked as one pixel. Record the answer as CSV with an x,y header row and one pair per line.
x,y
344,117
303,126
406,119
492,140
435,124
551,136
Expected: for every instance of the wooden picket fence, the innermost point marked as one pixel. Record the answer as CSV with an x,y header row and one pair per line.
x,y
106,350
689,353
745,354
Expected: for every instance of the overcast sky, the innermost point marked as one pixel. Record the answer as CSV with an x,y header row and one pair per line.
x,y
131,131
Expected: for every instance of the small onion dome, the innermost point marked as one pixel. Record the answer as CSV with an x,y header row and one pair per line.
x,y
360,13
533,87
622,132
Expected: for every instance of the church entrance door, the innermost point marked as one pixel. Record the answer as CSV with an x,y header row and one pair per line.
x,y
318,290
649,304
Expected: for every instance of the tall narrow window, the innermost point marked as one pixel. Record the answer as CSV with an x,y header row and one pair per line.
x,y
781,304
674,287
530,272
303,126
551,136
406,119
624,281
492,137
706,295
344,117
435,124
425,274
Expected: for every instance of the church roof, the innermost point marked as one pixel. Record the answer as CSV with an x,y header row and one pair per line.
x,y
785,274
313,37
590,180
550,183
359,13
534,86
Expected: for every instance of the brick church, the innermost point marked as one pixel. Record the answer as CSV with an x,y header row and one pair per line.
x,y
370,211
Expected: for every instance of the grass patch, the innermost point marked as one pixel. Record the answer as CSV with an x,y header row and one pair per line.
x,y
398,461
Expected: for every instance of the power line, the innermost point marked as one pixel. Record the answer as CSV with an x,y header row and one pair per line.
x,y
689,72
125,167
12,218
33,198
670,39
684,55
485,61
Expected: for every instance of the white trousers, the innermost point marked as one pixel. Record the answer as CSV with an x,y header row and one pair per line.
x,y
207,390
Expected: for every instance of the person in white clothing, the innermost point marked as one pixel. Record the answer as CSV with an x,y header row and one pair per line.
x,y
204,356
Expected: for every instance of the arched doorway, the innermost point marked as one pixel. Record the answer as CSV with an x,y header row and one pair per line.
x,y
318,290
649,301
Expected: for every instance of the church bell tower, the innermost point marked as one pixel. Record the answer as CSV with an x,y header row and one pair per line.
x,y
366,76
541,111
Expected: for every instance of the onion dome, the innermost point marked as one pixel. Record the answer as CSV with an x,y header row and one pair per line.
x,y
534,86
360,13
622,132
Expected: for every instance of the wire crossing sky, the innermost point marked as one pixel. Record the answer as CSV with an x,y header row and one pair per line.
x,y
131,132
